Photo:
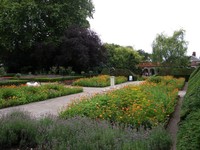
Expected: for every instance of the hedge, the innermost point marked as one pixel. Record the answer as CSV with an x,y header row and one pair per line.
x,y
189,128
50,79
12,82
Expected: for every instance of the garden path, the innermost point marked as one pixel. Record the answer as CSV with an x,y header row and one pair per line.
x,y
55,105
172,127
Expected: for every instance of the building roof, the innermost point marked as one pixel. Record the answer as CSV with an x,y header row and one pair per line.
x,y
193,58
149,64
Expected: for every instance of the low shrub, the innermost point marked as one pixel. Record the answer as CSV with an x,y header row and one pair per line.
x,y
19,131
154,79
18,95
98,81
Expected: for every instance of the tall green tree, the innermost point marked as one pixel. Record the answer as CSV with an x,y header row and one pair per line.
x,y
121,57
80,48
171,50
26,22
146,57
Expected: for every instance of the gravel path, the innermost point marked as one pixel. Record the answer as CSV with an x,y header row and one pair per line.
x,y
172,127
55,105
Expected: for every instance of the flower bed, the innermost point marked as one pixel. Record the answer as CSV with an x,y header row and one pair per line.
x,y
99,81
18,95
148,104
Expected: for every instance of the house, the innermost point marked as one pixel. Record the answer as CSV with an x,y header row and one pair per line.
x,y
194,61
149,68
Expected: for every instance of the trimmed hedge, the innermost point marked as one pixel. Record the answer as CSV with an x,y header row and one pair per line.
x,y
189,129
12,82
189,132
50,79
176,72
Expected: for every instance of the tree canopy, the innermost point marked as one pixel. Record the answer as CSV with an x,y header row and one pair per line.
x,y
24,22
146,57
122,57
170,50
80,48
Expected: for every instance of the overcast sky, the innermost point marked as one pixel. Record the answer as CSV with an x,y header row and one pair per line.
x,y
137,22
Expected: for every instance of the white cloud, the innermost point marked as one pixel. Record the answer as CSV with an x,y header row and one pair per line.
x,y
137,22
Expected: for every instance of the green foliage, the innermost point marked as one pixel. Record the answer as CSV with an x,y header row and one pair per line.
x,y
121,57
19,130
13,95
98,81
38,31
189,130
40,20
172,50
146,57
80,48
161,135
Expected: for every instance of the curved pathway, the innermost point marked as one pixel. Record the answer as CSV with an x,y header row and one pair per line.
x,y
55,105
